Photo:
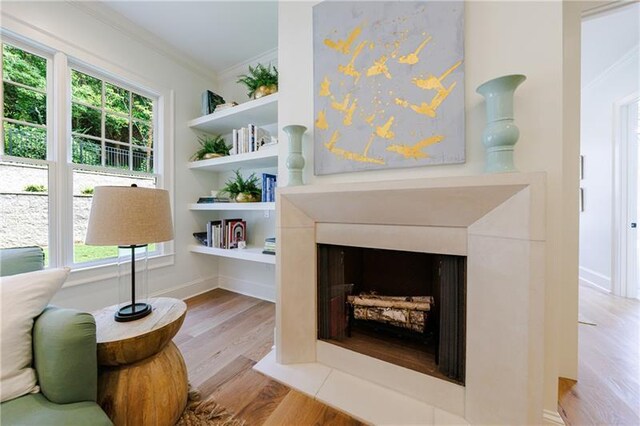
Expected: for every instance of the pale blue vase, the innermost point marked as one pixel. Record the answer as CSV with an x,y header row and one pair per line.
x,y
501,134
295,160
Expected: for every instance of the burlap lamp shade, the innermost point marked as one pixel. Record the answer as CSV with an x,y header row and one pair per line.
x,y
125,216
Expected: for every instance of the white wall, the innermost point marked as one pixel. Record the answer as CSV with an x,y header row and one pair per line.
x,y
106,44
500,38
610,79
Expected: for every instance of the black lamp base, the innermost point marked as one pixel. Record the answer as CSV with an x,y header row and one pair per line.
x,y
126,313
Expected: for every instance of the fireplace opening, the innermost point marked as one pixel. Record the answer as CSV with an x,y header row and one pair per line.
x,y
406,308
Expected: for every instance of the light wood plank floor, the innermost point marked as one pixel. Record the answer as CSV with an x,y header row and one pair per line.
x,y
225,334
608,387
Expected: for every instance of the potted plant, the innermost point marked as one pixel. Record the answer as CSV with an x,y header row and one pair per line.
x,y
243,190
211,147
260,81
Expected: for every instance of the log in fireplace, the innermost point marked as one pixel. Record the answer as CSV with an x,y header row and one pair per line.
x,y
407,308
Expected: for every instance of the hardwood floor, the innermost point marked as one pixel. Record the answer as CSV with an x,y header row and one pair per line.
x,y
608,390
223,336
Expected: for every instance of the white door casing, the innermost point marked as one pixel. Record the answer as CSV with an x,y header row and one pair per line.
x,y
625,197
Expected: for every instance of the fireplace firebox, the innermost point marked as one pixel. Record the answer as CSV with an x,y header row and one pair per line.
x,y
407,308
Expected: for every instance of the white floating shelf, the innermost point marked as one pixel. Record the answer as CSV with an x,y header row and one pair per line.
x,y
260,112
264,158
232,206
252,254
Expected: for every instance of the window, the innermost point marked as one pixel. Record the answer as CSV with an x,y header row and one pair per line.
x,y
24,197
111,129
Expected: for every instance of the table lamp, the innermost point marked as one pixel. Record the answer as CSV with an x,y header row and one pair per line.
x,y
131,218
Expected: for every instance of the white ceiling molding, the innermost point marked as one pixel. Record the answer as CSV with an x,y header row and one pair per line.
x,y
123,24
631,53
270,56
602,9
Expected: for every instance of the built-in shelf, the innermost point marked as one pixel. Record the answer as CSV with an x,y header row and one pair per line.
x,y
232,206
266,157
259,112
252,254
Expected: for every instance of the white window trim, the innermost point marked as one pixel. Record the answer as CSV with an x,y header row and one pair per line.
x,y
60,54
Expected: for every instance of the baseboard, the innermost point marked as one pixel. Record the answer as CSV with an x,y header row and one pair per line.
x,y
594,279
550,417
248,288
190,289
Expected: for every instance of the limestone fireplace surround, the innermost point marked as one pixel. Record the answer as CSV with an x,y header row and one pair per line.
x,y
497,221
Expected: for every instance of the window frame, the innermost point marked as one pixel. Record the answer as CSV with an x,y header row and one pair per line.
x,y
60,61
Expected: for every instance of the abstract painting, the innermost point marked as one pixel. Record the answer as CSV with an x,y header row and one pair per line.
x,y
388,85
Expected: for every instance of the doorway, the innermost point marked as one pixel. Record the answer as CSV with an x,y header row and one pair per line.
x,y
610,91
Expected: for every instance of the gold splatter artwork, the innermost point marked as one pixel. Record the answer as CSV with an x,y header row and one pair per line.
x,y
325,87
321,122
412,58
344,46
415,151
387,79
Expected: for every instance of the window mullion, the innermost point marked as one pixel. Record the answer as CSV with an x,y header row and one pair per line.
x,y
2,99
103,125
130,132
61,191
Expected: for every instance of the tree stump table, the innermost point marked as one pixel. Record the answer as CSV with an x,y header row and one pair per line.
x,y
143,377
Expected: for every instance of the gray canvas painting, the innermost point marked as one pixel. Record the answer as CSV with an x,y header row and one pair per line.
x,y
388,85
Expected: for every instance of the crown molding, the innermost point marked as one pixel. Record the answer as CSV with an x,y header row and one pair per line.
x,y
270,56
603,9
631,53
124,25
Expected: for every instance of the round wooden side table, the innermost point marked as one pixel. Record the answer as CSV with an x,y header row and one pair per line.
x,y
143,377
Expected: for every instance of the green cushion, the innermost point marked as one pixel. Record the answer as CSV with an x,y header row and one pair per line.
x,y
20,260
65,355
35,409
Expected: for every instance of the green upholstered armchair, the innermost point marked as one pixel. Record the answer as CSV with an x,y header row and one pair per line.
x,y
65,360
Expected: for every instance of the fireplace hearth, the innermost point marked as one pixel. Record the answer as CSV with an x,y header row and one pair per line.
x,y
406,308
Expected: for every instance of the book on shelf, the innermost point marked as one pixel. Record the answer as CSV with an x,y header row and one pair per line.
x,y
269,246
207,200
248,139
225,106
201,237
269,183
236,232
226,233
210,101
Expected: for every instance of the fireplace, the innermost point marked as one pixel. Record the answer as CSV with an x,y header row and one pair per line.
x,y
496,223
406,308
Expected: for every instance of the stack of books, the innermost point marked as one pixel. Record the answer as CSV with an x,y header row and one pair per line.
x,y
269,183
269,246
206,200
226,233
249,139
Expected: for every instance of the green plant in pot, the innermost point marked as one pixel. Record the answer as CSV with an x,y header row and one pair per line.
x,y
243,190
210,147
260,81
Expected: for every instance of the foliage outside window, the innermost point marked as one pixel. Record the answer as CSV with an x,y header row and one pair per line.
x,y
24,120
111,126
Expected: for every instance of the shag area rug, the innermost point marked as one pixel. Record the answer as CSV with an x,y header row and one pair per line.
x,y
206,413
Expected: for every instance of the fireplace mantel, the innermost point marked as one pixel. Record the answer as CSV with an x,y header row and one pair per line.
x,y
497,221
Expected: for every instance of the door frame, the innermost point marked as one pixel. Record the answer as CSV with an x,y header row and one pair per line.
x,y
625,168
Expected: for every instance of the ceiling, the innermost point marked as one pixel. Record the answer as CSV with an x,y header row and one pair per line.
x,y
216,34
607,38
